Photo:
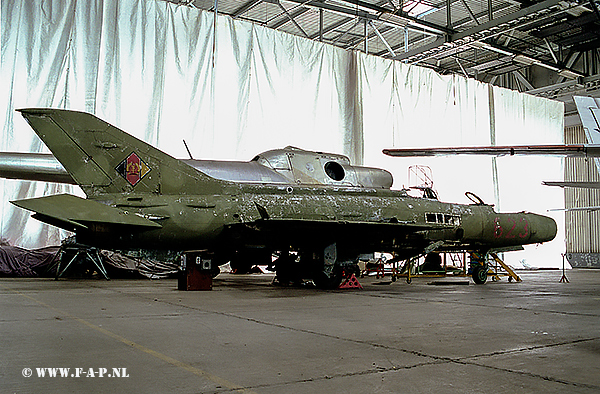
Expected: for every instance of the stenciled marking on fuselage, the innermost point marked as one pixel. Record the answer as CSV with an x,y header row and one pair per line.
x,y
499,230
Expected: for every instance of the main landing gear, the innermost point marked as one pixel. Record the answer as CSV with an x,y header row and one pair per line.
x,y
323,268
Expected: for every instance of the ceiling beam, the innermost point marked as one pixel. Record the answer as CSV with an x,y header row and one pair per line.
x,y
283,21
333,27
481,32
291,18
464,3
372,12
521,78
457,24
389,48
245,8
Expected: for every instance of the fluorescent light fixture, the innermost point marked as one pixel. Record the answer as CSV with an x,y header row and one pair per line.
x,y
417,9
491,48
354,6
526,60
569,74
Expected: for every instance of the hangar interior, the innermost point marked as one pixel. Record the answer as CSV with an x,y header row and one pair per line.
x,y
235,78
351,77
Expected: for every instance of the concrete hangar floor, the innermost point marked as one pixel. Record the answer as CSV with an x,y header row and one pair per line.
x,y
249,336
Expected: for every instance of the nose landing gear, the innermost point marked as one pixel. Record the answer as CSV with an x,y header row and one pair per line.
x,y
479,267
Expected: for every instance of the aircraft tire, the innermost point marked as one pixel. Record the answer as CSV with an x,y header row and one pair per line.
x,y
287,271
323,280
333,281
480,274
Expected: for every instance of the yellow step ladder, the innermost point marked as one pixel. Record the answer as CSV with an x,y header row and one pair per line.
x,y
511,274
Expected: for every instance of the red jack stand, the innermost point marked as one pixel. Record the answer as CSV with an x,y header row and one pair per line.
x,y
350,283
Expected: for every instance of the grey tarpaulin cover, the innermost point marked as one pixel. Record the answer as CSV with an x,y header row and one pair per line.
x,y
15,261
150,268
20,262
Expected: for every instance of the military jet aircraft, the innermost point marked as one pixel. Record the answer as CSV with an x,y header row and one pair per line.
x,y
316,205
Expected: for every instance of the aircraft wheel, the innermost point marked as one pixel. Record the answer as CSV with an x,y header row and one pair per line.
x,y
287,270
331,281
480,274
322,281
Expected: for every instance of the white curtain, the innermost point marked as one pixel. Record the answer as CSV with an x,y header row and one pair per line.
x,y
155,70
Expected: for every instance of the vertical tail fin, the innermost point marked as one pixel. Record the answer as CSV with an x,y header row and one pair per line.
x,y
589,113
103,159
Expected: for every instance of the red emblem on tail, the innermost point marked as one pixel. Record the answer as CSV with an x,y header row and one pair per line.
x,y
133,169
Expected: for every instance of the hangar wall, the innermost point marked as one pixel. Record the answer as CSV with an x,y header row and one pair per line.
x,y
158,71
582,231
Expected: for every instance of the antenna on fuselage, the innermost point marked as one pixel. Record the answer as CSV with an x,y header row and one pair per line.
x,y
188,150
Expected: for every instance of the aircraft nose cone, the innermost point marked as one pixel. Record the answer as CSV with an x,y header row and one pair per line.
x,y
543,228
